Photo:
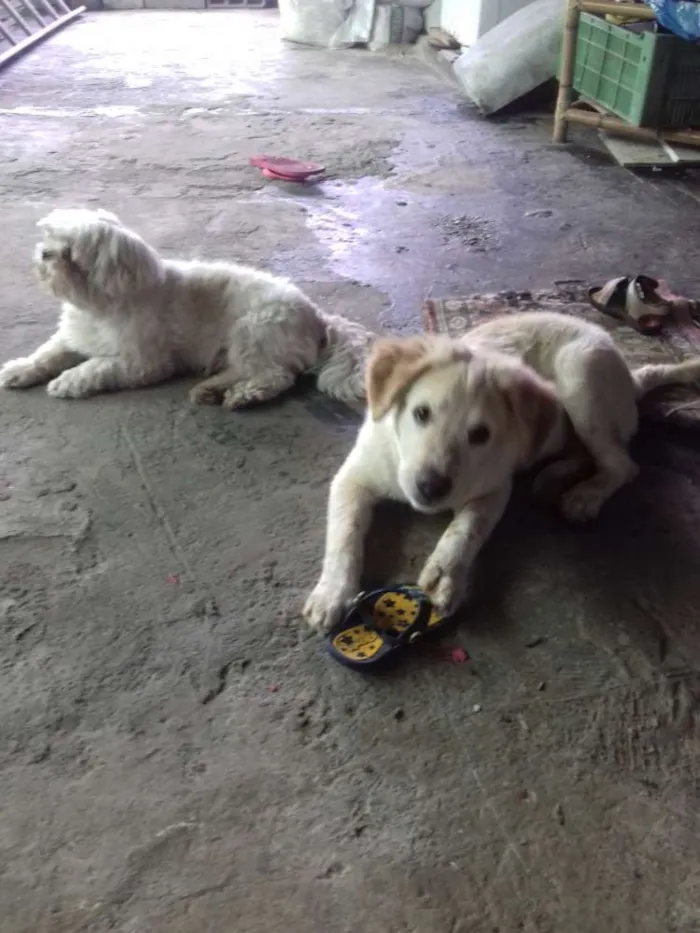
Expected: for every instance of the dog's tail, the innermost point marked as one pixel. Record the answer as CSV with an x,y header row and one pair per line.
x,y
341,366
656,375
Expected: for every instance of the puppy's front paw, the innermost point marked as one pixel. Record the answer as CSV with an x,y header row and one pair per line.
x,y
445,589
19,374
70,385
326,605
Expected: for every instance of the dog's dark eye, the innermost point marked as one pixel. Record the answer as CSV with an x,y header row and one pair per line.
x,y
421,414
478,435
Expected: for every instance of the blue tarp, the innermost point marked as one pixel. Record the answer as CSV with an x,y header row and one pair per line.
x,y
681,17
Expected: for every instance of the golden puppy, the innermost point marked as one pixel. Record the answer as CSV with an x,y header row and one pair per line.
x,y
449,424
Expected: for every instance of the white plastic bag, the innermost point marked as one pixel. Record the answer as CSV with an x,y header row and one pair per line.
x,y
514,57
330,24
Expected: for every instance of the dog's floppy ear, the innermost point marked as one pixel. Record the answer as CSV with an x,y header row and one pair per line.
x,y
116,260
393,365
113,259
532,402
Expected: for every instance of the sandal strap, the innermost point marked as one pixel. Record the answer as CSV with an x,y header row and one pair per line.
x,y
643,298
614,288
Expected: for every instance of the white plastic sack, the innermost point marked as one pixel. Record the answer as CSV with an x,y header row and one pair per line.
x,y
330,24
433,15
469,20
514,57
395,25
418,4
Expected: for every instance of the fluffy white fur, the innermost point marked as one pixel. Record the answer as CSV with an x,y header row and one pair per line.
x,y
451,421
131,318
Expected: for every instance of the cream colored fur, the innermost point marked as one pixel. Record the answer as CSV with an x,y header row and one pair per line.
x,y
131,318
450,422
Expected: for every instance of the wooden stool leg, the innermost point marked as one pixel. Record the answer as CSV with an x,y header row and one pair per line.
x,y
566,70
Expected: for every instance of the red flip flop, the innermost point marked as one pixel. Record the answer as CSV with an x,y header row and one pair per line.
x,y
278,176
285,169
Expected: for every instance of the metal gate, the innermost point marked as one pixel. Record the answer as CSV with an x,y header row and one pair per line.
x,y
23,23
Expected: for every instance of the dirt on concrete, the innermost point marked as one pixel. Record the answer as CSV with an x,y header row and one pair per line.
x,y
176,755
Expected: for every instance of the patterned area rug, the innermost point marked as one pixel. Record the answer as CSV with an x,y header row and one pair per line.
x,y
678,406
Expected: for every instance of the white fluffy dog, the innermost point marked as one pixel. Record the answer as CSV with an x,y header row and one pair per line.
x,y
451,421
131,318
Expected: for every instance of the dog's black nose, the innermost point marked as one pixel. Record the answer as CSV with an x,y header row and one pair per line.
x,y
433,486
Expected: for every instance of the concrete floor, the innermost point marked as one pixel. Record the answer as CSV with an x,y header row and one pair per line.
x,y
174,755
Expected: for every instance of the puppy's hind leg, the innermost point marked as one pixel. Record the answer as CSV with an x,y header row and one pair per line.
x,y
599,397
556,477
552,479
584,501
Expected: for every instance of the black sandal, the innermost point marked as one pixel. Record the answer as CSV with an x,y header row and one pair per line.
x,y
381,622
635,300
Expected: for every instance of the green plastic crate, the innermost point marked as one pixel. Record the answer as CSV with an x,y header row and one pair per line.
x,y
646,78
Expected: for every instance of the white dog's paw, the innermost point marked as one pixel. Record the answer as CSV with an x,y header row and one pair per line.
x,y
581,504
70,385
19,374
445,589
263,388
203,394
243,395
326,605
